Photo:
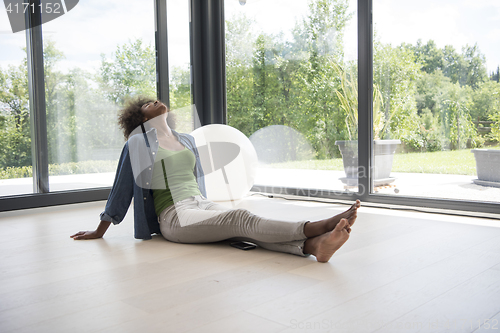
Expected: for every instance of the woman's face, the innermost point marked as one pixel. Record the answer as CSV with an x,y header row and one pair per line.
x,y
153,109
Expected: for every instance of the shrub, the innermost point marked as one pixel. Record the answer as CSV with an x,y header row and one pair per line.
x,y
16,172
495,127
71,168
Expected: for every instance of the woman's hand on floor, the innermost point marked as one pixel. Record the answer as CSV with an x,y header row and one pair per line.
x,y
86,235
98,233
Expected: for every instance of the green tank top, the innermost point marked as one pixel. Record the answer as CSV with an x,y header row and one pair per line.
x,y
175,171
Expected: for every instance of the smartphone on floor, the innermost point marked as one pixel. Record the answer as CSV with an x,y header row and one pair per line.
x,y
243,245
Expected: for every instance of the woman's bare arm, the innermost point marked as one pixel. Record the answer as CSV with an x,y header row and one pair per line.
x,y
98,233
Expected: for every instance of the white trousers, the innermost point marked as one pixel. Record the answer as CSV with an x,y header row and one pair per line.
x,y
198,220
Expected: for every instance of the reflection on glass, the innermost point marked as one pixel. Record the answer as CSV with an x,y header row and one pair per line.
x,y
95,57
291,87
438,78
15,138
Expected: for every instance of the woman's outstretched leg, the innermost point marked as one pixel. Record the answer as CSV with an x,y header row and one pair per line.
x,y
228,224
312,229
320,239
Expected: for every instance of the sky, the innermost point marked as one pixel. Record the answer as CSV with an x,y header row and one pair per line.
x,y
95,26
447,22
91,28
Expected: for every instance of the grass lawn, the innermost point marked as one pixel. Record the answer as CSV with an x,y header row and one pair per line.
x,y
456,162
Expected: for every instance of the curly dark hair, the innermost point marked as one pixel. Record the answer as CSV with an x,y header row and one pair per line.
x,y
130,117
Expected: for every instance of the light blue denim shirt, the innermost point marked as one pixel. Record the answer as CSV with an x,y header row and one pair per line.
x,y
133,179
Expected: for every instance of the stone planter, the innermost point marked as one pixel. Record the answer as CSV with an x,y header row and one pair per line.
x,y
383,152
487,167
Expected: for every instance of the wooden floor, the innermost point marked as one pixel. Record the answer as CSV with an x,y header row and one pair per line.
x,y
399,272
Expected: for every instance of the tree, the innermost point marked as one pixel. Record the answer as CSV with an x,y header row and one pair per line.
x,y
485,101
456,121
239,75
429,55
395,72
495,76
429,87
323,33
15,150
324,27
131,71
475,66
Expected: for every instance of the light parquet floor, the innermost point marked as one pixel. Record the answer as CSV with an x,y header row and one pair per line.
x,y
399,272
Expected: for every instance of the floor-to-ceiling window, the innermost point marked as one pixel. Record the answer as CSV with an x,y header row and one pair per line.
x,y
435,73
291,69
15,136
179,65
96,55
292,88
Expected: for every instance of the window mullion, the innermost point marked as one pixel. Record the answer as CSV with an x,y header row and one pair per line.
x,y
36,86
365,105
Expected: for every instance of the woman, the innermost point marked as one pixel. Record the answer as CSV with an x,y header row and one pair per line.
x,y
161,170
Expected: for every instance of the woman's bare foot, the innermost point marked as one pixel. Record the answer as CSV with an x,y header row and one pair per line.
x,y
312,229
323,247
350,215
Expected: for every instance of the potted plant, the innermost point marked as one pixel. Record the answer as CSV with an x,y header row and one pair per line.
x,y
488,160
383,150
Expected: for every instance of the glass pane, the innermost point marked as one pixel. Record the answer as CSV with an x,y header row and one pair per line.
x,y
96,56
179,65
15,138
291,88
436,83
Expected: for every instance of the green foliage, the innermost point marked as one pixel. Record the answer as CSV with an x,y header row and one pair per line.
x,y
429,56
433,138
430,89
458,128
485,101
131,71
15,150
16,172
474,66
466,68
239,75
304,83
71,168
272,81
324,27
424,95
348,97
453,162
180,90
83,167
81,119
180,99
495,127
395,71
495,76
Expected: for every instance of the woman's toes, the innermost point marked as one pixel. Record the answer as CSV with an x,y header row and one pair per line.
x,y
341,225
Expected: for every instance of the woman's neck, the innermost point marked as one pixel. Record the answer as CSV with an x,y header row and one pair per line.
x,y
161,126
